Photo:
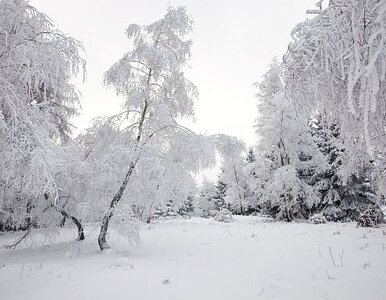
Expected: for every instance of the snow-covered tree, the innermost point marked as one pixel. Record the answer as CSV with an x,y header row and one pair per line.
x,y
251,156
161,175
207,204
220,194
336,66
37,100
187,207
343,196
287,154
251,181
232,152
150,77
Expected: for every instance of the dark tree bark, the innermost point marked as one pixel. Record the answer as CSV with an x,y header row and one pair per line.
x,y
62,222
107,217
28,218
78,224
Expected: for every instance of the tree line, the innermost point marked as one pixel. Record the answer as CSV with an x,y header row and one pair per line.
x,y
321,122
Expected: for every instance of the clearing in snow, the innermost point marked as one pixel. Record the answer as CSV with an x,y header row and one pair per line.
x,y
250,258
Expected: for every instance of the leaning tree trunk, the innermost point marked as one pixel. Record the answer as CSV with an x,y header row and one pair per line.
x,y
78,224
107,217
117,197
80,228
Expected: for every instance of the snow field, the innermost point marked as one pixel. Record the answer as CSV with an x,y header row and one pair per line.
x,y
250,258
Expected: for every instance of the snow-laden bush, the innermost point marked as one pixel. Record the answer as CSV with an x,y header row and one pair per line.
x,y
318,219
370,218
224,216
333,213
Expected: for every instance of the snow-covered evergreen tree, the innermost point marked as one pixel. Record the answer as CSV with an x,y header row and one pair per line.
x,y
207,204
187,207
220,194
251,156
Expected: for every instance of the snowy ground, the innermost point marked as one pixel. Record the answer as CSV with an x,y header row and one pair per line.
x,y
202,259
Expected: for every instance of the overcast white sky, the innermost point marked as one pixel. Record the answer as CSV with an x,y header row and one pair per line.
x,y
234,42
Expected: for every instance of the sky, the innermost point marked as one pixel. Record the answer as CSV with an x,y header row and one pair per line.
x,y
234,42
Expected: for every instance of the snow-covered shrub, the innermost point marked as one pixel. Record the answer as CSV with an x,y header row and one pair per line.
x,y
318,219
224,215
333,213
370,218
166,210
205,210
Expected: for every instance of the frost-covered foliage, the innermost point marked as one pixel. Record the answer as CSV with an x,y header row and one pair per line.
x,y
232,189
187,207
233,175
284,135
343,195
322,115
336,64
162,175
224,216
370,218
335,68
127,224
178,207
288,195
318,218
287,154
151,74
36,102
152,155
208,200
